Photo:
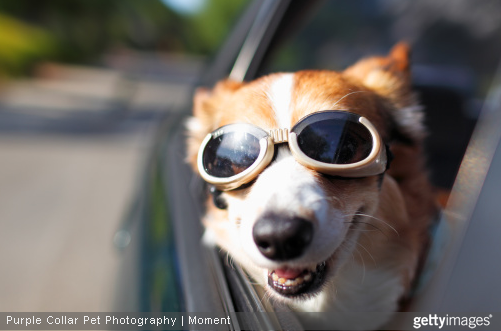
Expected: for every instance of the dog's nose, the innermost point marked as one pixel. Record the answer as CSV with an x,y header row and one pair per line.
x,y
282,238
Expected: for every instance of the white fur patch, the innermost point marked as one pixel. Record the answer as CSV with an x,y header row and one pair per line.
x,y
193,124
410,120
280,94
357,288
286,187
361,288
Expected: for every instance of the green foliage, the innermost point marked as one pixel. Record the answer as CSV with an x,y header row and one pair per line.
x,y
85,28
212,24
80,31
21,45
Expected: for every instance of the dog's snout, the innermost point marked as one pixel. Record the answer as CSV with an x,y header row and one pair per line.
x,y
282,238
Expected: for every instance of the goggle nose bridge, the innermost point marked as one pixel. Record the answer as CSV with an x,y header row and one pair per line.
x,y
279,135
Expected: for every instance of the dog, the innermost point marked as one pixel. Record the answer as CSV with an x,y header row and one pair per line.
x,y
319,239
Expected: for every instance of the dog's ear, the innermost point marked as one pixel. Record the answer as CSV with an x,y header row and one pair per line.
x,y
390,77
206,102
207,114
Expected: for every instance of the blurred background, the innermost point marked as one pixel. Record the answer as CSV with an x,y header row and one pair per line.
x,y
83,86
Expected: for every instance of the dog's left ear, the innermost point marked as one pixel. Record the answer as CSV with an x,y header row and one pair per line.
x,y
388,76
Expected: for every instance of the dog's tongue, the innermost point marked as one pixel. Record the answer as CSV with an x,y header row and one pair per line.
x,y
288,273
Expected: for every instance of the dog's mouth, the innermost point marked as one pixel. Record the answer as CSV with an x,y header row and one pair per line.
x,y
294,282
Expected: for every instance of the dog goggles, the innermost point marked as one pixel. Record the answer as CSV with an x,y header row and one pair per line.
x,y
337,143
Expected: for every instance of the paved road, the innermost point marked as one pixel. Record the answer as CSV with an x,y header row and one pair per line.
x,y
70,157
61,200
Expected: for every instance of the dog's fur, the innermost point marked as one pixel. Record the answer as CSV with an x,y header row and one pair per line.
x,y
371,231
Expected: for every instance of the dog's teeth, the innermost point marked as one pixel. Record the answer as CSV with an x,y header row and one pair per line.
x,y
306,276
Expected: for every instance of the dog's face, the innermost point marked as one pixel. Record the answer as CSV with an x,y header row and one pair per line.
x,y
293,228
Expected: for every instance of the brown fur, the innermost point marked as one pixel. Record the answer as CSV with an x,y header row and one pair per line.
x,y
377,88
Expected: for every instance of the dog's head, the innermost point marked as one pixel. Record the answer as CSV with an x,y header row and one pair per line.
x,y
293,227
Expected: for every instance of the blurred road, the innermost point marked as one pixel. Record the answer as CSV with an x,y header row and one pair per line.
x,y
60,203
72,146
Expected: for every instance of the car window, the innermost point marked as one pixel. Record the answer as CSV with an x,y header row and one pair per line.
x,y
455,55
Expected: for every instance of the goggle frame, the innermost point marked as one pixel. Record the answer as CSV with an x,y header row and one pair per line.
x,y
374,164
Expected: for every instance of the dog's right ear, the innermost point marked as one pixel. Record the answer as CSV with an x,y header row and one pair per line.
x,y
207,115
198,125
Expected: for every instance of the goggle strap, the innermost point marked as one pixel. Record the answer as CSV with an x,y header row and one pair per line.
x,y
389,156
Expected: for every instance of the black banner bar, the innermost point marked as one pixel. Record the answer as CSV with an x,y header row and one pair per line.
x,y
231,321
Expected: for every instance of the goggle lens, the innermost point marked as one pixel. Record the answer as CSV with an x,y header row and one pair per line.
x,y
335,141
230,153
